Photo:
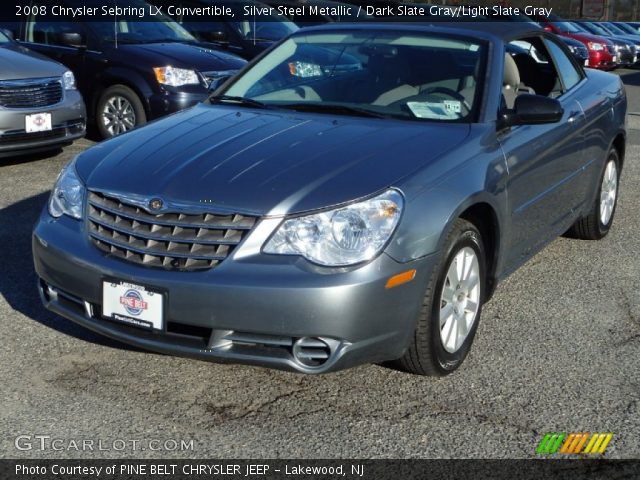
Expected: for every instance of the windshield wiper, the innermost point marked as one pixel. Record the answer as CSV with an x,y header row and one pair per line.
x,y
335,108
250,102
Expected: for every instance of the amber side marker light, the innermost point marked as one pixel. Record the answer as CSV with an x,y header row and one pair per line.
x,y
401,278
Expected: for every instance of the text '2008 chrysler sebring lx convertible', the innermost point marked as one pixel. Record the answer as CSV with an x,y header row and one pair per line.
x,y
353,196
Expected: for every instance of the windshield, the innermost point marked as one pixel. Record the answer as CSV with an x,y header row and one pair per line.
x,y
595,28
401,75
614,28
4,38
567,27
130,29
626,28
271,27
271,30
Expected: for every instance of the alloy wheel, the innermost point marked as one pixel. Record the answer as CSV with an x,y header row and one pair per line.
x,y
608,192
118,115
459,299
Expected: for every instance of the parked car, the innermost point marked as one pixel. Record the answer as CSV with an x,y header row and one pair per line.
x,y
240,35
620,32
602,52
129,71
627,28
40,106
577,49
313,220
624,46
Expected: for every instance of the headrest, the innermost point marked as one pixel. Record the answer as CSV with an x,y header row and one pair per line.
x,y
511,74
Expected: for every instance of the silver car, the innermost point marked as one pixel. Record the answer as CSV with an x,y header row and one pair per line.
x,y
40,107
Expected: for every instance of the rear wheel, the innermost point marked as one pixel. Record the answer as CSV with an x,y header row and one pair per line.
x,y
451,307
118,111
599,220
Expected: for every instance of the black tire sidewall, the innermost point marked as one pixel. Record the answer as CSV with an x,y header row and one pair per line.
x,y
602,228
469,237
132,98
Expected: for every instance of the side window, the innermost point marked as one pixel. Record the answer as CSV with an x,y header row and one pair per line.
x,y
535,71
569,73
47,30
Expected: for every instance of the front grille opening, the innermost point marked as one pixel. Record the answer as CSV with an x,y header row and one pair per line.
x,y
202,333
170,240
30,93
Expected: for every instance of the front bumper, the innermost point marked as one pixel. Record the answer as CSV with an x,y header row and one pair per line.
x,y
173,100
250,310
602,60
68,119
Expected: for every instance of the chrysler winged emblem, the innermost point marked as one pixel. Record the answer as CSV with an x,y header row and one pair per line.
x,y
155,204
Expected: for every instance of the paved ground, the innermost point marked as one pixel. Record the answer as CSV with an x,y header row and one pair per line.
x,y
558,349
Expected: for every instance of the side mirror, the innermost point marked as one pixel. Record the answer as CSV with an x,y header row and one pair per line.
x,y
8,33
217,36
533,110
71,39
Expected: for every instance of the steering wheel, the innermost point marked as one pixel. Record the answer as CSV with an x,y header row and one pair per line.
x,y
450,93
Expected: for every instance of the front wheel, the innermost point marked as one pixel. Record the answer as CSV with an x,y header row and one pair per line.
x,y
119,110
599,220
451,307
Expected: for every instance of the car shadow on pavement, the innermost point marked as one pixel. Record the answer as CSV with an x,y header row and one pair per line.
x,y
18,278
631,78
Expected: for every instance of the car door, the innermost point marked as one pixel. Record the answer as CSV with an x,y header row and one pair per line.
x,y
544,161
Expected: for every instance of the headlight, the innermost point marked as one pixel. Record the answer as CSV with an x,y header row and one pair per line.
x,y
69,80
176,77
68,194
595,46
343,236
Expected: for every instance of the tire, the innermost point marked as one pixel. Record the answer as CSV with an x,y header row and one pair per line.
x,y
119,110
429,353
596,224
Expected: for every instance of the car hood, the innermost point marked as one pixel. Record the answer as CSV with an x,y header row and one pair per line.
x,y
586,37
17,62
182,55
264,162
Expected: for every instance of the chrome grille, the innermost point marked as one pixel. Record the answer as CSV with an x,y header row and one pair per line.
x,y
177,241
41,92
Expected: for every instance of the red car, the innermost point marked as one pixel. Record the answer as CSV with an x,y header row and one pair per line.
x,y
602,54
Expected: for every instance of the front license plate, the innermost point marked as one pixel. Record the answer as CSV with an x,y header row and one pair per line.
x,y
38,122
132,304
615,59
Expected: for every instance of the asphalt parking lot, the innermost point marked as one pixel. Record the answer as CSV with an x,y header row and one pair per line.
x,y
558,349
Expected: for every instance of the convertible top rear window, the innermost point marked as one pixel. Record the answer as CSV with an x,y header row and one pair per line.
x,y
410,76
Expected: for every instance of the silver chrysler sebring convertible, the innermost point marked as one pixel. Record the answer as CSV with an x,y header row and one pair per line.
x,y
355,195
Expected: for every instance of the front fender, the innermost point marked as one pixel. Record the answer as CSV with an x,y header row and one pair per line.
x,y
433,204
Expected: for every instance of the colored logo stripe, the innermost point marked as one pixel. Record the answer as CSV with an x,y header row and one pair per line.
x,y
598,443
574,443
550,443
